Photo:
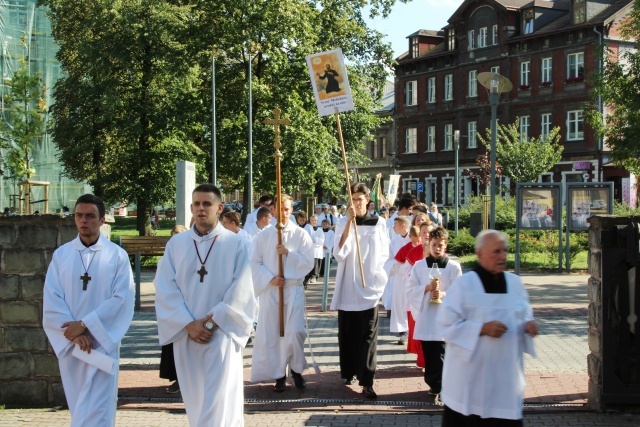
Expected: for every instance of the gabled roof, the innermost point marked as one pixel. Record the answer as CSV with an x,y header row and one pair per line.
x,y
431,52
429,33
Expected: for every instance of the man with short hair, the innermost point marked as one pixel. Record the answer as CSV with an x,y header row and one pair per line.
x,y
272,353
205,305
88,301
357,305
264,201
405,208
329,216
263,220
231,221
487,324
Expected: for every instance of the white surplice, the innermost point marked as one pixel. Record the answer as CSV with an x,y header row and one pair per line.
x,y
106,308
484,375
272,353
390,265
210,374
318,243
424,313
349,294
328,242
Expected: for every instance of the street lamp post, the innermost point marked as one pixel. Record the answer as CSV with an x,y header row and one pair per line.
x,y
456,185
495,84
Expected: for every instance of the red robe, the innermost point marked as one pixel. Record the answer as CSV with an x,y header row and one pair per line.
x,y
413,346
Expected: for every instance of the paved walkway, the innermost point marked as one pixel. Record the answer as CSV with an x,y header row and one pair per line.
x,y
556,382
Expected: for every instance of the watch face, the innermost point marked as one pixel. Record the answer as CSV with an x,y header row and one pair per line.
x,y
209,325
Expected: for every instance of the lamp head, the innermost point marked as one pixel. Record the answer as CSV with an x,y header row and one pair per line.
x,y
494,82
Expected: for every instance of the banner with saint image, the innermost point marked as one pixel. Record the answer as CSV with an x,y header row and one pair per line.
x,y
330,82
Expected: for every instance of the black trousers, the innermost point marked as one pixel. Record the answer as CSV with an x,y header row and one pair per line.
x,y
451,418
168,363
316,267
358,343
433,358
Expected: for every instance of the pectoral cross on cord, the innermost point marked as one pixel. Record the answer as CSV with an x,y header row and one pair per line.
x,y
85,277
203,270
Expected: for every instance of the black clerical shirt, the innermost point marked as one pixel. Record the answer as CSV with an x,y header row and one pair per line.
x,y
367,220
440,261
492,284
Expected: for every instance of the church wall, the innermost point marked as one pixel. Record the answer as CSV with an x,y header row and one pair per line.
x,y
29,375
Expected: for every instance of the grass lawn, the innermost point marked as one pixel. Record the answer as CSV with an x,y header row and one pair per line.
x,y
127,227
533,262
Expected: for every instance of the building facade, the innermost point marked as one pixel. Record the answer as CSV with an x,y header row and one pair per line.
x,y
547,49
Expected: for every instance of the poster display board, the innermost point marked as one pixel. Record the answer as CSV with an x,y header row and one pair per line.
x,y
330,82
539,207
585,199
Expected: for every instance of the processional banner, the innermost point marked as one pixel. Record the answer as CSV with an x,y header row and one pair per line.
x,y
330,82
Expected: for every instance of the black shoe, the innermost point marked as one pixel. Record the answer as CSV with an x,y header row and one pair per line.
x,y
300,382
369,392
352,380
388,314
173,388
432,392
280,383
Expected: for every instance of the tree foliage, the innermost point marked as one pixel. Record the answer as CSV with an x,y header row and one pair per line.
x,y
137,91
618,86
27,112
524,159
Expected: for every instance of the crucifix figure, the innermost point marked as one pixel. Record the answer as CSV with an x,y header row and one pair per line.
x,y
85,280
202,272
276,122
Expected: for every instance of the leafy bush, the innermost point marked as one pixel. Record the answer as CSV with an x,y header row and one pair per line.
x,y
623,209
464,244
505,212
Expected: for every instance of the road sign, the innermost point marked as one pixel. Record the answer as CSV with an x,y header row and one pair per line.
x,y
421,187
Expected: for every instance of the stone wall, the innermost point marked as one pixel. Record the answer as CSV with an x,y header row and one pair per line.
x,y
29,373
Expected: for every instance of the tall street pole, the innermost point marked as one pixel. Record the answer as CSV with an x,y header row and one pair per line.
x,y
214,159
494,98
456,139
250,151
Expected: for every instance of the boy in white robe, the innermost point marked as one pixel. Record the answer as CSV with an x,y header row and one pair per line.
x,y
272,353
400,237
263,220
357,305
88,302
430,280
327,246
488,324
205,306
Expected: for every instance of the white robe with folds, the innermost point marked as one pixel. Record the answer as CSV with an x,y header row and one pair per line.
x,y
390,266
106,308
210,374
349,294
318,243
328,242
483,375
424,313
272,353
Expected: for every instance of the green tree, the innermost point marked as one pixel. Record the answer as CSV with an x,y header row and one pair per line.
x,y
26,125
617,87
524,159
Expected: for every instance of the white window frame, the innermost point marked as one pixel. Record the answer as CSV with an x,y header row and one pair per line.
x,y
472,141
482,37
575,125
546,69
448,137
431,139
411,140
471,39
575,65
415,47
448,87
494,34
525,125
545,125
411,93
448,198
451,39
495,69
431,90
473,84
525,73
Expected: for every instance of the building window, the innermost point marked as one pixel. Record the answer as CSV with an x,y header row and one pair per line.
x,y
410,140
449,192
575,125
525,71
482,37
471,39
411,93
495,69
579,11
545,125
546,72
448,87
524,129
472,128
431,138
374,149
431,90
382,148
473,83
451,41
494,35
528,21
448,137
575,66
415,47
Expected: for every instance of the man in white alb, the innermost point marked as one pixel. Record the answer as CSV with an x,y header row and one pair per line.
x,y
87,309
205,306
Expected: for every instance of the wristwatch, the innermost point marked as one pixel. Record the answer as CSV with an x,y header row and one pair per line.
x,y
209,325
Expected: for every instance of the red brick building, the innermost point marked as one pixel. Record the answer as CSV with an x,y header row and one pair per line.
x,y
547,49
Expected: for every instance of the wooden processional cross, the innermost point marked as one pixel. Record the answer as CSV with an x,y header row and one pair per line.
x,y
276,122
